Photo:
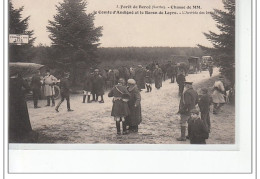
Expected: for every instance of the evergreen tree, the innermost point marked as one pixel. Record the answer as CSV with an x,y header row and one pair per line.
x,y
73,35
223,50
17,25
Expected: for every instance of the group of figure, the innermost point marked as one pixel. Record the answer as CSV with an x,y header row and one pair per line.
x,y
199,126
126,105
126,99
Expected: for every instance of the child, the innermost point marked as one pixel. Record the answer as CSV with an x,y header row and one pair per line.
x,y
198,132
204,105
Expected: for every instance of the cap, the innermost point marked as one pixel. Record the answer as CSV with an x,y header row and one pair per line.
x,y
131,81
121,80
194,111
96,70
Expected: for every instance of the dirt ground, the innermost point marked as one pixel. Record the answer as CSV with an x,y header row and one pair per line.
x,y
92,123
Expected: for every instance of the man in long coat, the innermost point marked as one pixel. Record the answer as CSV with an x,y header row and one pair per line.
x,y
188,101
210,70
170,72
140,77
49,82
98,86
135,117
36,88
157,73
19,120
218,95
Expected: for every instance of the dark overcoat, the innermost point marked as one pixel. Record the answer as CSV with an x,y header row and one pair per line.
x,y
157,73
170,71
188,101
204,103
19,120
65,87
135,117
148,76
120,108
36,84
98,85
180,79
198,132
87,84
140,78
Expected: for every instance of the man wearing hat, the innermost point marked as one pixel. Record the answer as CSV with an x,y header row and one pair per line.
x,y
158,74
140,77
65,92
188,101
49,81
218,95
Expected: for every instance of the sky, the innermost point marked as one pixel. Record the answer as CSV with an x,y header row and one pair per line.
x,y
183,30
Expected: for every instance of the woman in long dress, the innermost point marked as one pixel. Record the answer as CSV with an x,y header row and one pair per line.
x,y
134,103
19,120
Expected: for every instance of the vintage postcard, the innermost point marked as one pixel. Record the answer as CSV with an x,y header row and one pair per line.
x,y
131,75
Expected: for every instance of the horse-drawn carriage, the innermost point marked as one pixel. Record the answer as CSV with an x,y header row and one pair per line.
x,y
27,70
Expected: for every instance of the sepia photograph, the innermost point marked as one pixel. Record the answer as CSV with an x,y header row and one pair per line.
x,y
128,86
121,72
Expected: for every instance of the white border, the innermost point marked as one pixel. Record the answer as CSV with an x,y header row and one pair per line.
x,y
92,161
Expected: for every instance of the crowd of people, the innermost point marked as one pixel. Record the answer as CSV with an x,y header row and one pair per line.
x,y
125,89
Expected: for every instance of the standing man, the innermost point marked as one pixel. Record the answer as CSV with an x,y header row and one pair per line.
x,y
181,80
148,80
210,70
36,88
188,101
98,86
157,73
49,81
218,95
65,92
140,77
